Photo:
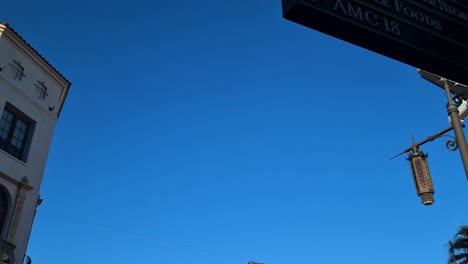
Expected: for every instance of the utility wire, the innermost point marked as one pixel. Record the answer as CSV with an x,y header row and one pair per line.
x,y
148,237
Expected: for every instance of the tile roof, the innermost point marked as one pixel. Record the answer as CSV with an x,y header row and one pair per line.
x,y
29,45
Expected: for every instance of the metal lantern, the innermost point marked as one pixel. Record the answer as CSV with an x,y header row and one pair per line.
x,y
421,176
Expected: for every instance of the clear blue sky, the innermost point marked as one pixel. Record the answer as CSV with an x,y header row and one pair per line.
x,y
218,132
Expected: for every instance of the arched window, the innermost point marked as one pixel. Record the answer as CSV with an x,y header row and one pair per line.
x,y
3,209
6,248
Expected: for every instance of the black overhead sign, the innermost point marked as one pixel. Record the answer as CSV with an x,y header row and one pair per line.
x,y
427,34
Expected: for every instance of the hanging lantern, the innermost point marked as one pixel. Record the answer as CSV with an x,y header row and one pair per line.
x,y
421,176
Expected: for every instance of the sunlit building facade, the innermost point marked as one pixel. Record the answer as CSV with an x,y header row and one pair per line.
x,y
32,94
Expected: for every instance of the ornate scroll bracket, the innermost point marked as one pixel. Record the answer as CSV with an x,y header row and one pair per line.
x,y
450,145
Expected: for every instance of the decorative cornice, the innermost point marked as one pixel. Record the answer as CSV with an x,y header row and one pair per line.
x,y
23,183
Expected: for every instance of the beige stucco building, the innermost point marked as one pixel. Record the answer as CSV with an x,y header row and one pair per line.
x,y
32,94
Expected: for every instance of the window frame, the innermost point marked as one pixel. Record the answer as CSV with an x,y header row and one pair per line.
x,y
25,147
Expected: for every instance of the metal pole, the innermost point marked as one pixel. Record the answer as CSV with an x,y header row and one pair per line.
x,y
457,127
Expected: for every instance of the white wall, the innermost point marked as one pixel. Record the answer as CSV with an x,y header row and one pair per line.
x,y
24,95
